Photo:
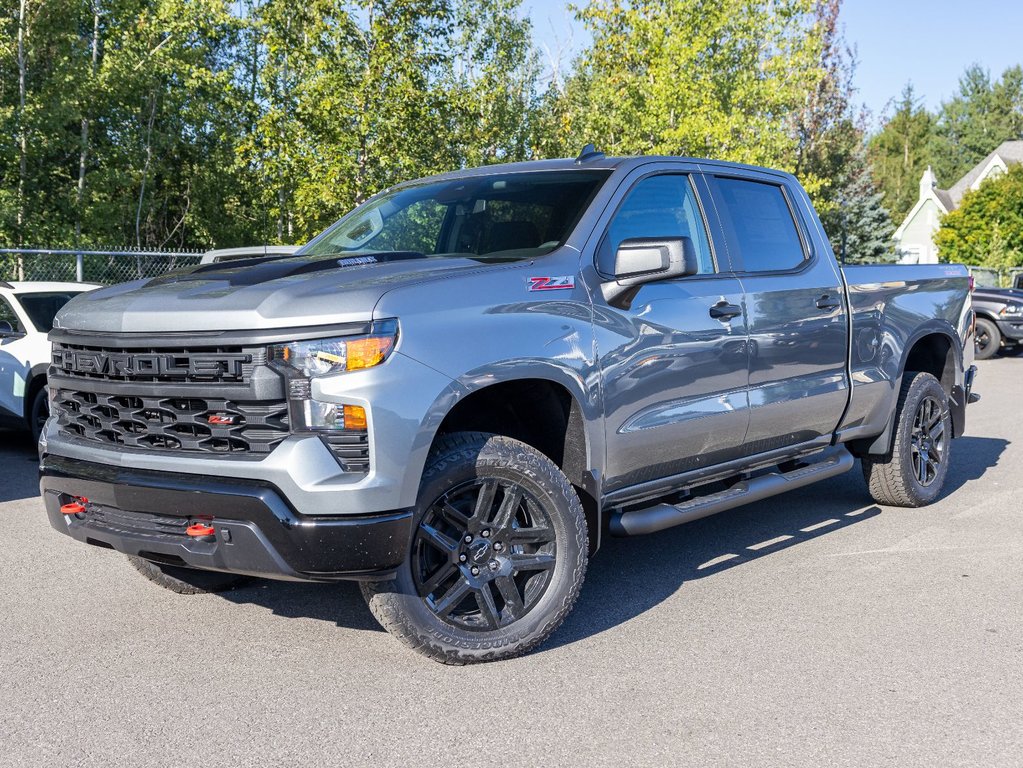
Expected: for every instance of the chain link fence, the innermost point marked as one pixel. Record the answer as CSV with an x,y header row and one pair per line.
x,y
106,267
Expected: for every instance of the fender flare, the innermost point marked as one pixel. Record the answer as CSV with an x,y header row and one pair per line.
x,y
586,406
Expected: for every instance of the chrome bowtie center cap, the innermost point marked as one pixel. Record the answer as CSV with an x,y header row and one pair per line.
x,y
479,550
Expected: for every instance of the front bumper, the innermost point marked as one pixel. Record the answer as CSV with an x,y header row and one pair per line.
x,y
257,533
1011,329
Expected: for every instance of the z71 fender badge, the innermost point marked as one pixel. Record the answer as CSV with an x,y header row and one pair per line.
x,y
563,283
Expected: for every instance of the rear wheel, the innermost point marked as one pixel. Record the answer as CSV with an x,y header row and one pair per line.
x,y
913,474
497,557
185,581
987,340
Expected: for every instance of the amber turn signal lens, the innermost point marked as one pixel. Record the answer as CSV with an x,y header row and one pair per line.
x,y
367,352
355,417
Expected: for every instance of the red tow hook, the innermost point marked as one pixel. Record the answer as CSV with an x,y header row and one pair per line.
x,y
75,507
201,531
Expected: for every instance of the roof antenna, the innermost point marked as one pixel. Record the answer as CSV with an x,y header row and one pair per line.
x,y
589,153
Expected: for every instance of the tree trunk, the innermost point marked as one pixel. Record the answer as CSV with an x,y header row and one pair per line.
x,y
145,168
22,134
83,154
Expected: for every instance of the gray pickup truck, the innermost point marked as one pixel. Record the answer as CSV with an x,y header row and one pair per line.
x,y
454,393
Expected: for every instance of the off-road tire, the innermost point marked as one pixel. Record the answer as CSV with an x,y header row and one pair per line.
x,y
458,460
38,412
186,581
987,332
893,479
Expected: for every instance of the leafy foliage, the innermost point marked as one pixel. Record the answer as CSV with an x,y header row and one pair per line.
x,y
900,153
203,123
987,229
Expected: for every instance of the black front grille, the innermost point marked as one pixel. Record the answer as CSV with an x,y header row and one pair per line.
x,y
201,424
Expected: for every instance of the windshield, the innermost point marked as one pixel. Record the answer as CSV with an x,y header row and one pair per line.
x,y
499,216
41,308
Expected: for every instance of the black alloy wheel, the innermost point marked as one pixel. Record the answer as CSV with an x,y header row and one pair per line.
x,y
497,553
927,441
484,554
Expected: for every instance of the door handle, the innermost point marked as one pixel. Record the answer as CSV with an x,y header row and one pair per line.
x,y
827,301
725,311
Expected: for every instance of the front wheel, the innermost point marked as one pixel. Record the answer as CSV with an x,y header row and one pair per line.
x,y
38,414
497,557
913,474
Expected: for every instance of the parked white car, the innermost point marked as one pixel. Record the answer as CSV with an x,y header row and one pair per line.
x,y
26,316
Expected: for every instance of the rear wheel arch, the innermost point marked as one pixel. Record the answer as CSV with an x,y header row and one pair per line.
x,y
932,350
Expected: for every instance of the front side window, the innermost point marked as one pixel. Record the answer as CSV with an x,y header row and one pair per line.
x,y
8,315
759,225
662,207
493,217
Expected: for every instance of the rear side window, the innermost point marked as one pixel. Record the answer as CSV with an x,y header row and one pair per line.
x,y
657,206
759,225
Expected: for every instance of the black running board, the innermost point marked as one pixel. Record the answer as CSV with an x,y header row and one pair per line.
x,y
636,522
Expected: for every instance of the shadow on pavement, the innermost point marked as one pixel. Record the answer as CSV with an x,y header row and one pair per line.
x,y
19,467
971,458
340,603
630,576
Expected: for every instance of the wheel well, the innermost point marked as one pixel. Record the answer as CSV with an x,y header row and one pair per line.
x,y
540,413
933,354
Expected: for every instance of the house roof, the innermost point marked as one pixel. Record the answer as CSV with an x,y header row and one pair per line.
x,y
1008,151
945,197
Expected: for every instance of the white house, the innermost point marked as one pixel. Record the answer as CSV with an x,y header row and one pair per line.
x,y
914,239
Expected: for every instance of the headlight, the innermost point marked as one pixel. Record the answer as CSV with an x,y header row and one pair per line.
x,y
322,357
303,361
1012,309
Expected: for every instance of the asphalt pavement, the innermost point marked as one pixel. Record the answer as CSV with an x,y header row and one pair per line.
x,y
812,629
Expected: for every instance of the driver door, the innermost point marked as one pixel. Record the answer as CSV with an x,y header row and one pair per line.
x,y
674,361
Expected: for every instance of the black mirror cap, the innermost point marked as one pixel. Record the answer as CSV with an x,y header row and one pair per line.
x,y
6,329
642,260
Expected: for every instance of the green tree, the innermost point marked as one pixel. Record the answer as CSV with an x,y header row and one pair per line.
x,y
354,97
980,116
987,228
687,77
900,153
859,223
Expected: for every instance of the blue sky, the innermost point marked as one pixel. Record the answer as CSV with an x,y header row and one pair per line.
x,y
897,41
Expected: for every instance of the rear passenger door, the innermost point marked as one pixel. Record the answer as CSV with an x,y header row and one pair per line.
x,y
795,313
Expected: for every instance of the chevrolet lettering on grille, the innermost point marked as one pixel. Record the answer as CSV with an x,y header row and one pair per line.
x,y
149,364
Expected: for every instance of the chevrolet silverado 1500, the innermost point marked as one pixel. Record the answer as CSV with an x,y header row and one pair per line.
x,y
456,391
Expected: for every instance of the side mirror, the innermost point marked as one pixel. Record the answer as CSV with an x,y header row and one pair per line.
x,y
6,328
642,260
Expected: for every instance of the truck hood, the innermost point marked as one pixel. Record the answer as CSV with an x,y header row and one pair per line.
x,y
257,293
